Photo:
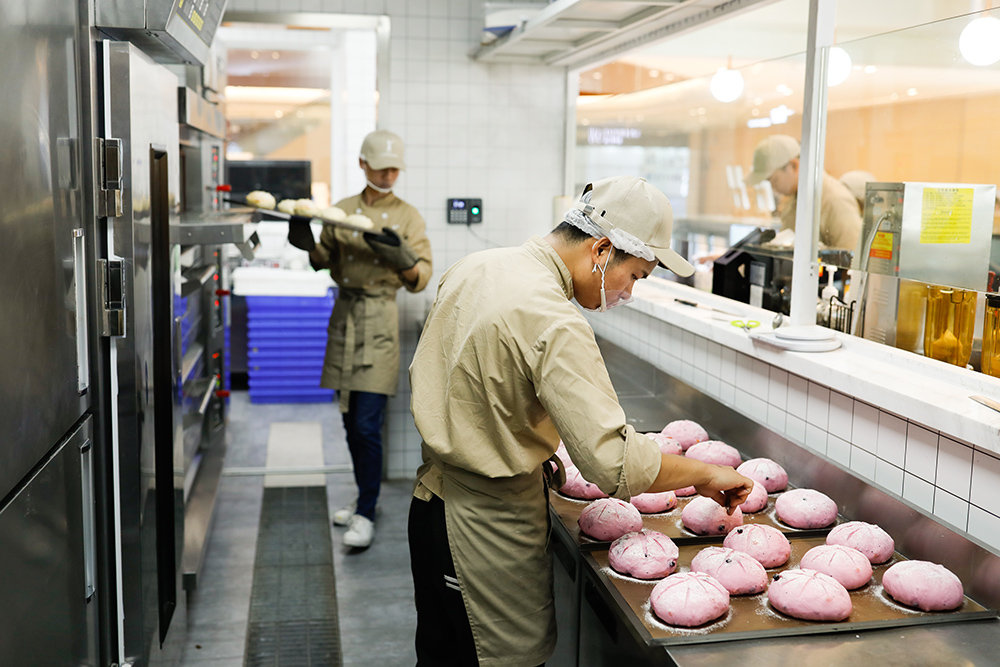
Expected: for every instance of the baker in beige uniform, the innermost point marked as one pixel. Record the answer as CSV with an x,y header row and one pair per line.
x,y
362,353
506,365
776,159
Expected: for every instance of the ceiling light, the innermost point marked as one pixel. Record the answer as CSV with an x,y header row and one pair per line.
x,y
979,42
758,101
279,113
597,75
870,69
275,55
911,92
894,97
726,85
783,89
779,114
839,66
755,112
585,122
654,73
254,55
669,77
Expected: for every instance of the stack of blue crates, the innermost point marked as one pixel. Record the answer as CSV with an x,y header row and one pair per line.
x,y
286,341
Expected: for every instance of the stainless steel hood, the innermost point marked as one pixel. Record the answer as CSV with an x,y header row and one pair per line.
x,y
169,31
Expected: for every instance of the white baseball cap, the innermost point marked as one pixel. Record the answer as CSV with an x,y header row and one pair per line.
x,y
634,214
383,150
771,155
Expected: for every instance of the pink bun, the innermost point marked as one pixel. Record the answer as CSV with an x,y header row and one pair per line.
x,y
806,508
644,555
577,487
685,432
654,503
714,451
704,516
767,472
757,500
846,565
765,543
685,492
689,599
809,595
739,573
563,455
925,585
667,444
869,539
609,519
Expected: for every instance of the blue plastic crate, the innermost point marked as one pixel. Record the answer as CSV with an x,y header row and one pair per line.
x,y
265,302
292,395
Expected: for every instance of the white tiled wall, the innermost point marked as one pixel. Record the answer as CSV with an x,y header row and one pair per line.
x,y
471,130
945,477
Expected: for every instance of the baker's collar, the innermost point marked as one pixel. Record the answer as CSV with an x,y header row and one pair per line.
x,y
547,255
387,200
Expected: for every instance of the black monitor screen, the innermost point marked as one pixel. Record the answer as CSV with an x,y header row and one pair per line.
x,y
285,179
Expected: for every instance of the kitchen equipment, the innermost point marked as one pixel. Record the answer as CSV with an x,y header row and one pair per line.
x,y
950,324
808,338
280,215
991,336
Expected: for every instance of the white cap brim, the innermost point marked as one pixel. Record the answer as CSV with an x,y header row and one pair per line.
x,y
671,260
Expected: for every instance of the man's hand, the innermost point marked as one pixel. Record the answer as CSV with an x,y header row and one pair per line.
x,y
392,249
300,234
726,487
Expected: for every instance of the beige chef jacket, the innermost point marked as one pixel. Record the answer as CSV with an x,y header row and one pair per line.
x,y
839,220
506,364
362,351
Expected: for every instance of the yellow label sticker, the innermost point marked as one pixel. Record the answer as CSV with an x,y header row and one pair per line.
x,y
881,246
199,22
946,215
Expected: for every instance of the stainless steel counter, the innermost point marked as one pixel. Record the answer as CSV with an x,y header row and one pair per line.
x,y
601,634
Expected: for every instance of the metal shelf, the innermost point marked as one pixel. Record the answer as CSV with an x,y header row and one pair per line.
x,y
575,32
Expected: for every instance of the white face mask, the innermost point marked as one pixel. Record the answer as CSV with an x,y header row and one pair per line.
x,y
377,188
609,298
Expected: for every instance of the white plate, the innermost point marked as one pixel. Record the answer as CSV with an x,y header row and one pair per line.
x,y
806,332
792,345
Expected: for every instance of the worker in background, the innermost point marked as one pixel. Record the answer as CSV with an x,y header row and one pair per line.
x,y
505,367
362,353
776,160
855,181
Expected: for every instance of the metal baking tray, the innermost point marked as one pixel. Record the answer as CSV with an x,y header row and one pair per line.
x,y
751,617
668,523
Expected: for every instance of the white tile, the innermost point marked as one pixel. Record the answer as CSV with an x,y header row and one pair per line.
x,y
687,373
891,439
744,402
798,389
758,409
700,379
815,438
818,408
954,467
921,451
775,419
795,429
984,526
918,491
727,394
713,386
841,415
864,432
951,509
889,477
687,346
728,372
777,392
862,462
714,359
837,449
744,372
701,353
985,480
760,379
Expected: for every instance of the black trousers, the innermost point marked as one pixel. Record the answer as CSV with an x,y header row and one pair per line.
x,y
444,636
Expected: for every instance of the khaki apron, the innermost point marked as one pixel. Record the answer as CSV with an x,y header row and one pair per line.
x,y
498,532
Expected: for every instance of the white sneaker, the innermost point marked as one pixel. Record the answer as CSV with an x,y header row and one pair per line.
x,y
342,517
361,533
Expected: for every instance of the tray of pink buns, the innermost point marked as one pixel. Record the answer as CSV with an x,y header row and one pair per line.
x,y
759,582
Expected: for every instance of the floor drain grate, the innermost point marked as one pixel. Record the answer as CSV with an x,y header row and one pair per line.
x,y
293,606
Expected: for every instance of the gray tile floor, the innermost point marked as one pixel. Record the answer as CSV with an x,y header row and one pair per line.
x,y
374,589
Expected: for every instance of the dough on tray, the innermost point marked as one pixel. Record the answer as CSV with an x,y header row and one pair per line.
x,y
848,566
646,554
654,503
609,519
306,208
767,472
360,220
261,199
876,544
714,451
667,444
287,206
739,573
757,500
704,516
765,543
809,595
685,492
577,487
334,213
923,584
685,432
689,599
806,508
